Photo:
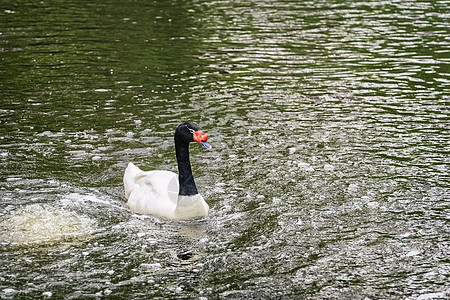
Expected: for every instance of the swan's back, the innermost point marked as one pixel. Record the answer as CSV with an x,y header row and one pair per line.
x,y
151,192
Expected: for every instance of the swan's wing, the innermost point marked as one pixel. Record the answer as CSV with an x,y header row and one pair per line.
x,y
151,192
164,184
173,188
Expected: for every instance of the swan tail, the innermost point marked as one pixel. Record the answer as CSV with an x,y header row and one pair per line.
x,y
129,178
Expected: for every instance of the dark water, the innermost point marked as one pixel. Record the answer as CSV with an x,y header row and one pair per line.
x,y
329,176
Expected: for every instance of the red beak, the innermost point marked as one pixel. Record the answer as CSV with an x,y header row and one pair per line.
x,y
200,136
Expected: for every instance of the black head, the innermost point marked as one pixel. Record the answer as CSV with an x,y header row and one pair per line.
x,y
190,132
185,132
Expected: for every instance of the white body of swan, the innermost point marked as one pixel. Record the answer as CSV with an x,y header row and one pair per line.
x,y
156,193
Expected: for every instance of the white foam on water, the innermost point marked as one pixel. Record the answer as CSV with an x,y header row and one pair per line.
x,y
43,223
439,295
77,199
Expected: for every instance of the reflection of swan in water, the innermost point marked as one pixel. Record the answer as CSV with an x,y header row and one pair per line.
x,y
166,194
42,223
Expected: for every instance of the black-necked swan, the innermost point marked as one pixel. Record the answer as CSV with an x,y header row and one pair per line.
x,y
166,194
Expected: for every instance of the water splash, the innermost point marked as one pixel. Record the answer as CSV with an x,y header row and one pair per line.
x,y
42,223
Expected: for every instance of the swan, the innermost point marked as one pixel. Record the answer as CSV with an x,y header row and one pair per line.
x,y
166,194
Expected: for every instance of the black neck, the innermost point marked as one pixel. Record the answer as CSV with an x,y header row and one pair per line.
x,y
185,177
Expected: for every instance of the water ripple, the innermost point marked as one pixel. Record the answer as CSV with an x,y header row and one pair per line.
x,y
329,124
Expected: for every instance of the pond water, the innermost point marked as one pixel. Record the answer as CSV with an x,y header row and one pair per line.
x,y
329,121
